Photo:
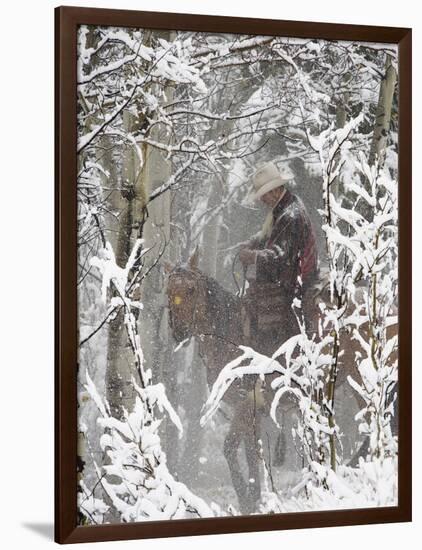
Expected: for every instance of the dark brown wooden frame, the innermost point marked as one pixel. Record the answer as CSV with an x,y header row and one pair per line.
x,y
67,20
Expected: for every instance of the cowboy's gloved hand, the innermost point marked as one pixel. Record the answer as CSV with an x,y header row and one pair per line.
x,y
247,256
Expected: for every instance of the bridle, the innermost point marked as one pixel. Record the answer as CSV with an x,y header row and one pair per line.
x,y
197,277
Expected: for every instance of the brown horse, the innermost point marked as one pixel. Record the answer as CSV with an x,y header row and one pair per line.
x,y
201,308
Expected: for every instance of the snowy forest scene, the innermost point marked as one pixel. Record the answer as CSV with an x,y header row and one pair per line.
x,y
237,275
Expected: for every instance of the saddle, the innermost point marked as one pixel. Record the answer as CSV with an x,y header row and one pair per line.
x,y
265,307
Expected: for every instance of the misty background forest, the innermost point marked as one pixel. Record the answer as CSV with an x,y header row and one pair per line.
x,y
171,127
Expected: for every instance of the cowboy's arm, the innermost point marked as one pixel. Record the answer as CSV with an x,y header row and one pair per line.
x,y
279,261
253,242
247,253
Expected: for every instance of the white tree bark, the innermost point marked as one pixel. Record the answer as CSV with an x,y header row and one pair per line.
x,y
383,116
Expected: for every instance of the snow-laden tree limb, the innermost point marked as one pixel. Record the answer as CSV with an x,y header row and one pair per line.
x,y
145,489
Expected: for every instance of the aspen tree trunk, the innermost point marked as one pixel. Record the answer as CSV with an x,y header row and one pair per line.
x,y
132,201
154,331
127,200
211,233
377,152
383,116
119,388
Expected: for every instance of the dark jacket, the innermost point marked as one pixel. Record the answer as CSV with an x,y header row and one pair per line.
x,y
290,249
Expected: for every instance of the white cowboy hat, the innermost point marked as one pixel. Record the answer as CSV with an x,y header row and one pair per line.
x,y
267,178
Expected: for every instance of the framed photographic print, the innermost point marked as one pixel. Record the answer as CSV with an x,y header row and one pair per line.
x,y
233,292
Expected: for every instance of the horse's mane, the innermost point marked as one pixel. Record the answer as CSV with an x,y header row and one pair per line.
x,y
223,307
222,295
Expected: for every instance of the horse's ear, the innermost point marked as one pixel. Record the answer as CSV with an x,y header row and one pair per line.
x,y
168,267
194,259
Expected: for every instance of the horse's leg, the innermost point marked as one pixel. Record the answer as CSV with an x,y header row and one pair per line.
x,y
231,446
252,435
280,449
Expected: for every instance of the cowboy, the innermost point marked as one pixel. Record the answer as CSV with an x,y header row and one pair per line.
x,y
281,261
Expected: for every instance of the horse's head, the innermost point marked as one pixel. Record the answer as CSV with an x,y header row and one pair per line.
x,y
184,293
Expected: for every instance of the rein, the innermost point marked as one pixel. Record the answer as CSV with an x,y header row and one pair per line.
x,y
240,290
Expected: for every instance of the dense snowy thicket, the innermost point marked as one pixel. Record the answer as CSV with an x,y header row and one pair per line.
x,y
171,127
